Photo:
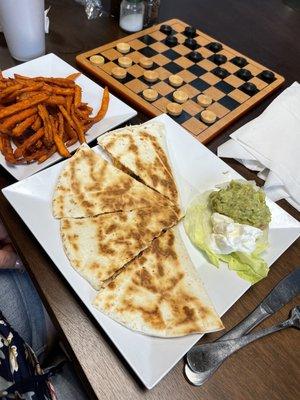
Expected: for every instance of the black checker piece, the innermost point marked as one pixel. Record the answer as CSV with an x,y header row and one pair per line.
x,y
214,47
249,88
171,41
147,40
218,59
224,87
267,76
148,52
239,61
166,29
195,56
244,74
220,72
229,103
171,54
191,43
190,31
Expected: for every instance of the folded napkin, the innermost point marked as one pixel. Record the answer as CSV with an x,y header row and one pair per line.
x,y
270,144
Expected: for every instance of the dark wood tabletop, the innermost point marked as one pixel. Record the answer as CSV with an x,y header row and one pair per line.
x,y
267,31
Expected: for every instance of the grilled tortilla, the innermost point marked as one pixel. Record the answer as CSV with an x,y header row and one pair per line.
x,y
141,151
98,247
159,293
88,186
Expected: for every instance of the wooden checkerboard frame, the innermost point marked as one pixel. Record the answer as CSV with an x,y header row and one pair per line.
x,y
198,78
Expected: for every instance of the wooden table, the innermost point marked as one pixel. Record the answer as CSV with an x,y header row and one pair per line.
x,y
268,31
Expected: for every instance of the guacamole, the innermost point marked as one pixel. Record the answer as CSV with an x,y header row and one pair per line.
x,y
243,202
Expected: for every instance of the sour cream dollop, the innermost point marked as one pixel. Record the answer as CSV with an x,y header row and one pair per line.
x,y
229,236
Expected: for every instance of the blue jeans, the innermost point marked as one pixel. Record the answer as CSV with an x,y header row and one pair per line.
x,y
23,309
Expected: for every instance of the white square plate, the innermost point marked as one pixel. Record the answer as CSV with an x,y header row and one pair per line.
x,y
52,66
31,198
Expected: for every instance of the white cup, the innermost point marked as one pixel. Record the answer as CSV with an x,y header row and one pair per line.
x,y
23,24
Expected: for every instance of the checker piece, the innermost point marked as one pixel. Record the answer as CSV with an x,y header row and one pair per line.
x,y
191,43
119,72
204,100
208,117
123,47
151,76
125,62
174,109
219,59
175,80
239,61
150,94
215,47
171,41
190,31
180,96
146,62
97,60
167,29
195,56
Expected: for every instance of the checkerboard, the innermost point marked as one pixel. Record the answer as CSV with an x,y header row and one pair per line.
x,y
230,100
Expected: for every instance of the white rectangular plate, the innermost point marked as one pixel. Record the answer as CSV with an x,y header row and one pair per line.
x,y
201,169
52,66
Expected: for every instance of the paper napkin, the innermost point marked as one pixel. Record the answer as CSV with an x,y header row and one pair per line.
x,y
270,144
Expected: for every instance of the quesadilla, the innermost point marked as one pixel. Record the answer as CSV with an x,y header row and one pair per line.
x,y
98,247
159,293
141,151
88,186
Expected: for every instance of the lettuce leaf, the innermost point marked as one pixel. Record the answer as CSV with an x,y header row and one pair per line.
x,y
197,223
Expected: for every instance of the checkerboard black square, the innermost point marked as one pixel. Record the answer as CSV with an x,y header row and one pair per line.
x,y
184,116
127,79
171,54
199,84
172,67
196,70
147,40
224,87
148,52
229,103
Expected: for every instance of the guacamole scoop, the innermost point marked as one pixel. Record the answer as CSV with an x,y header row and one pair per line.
x,y
243,202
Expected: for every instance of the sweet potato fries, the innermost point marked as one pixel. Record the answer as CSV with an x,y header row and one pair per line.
x,y
40,116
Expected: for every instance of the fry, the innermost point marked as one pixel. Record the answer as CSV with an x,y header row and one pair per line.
x,y
37,123
74,76
69,101
7,150
22,105
67,117
29,142
55,100
77,96
60,125
47,155
79,127
58,90
63,151
9,90
17,118
21,128
43,113
104,106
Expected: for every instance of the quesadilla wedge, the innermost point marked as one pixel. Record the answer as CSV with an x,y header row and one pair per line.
x,y
159,293
88,186
141,151
98,247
